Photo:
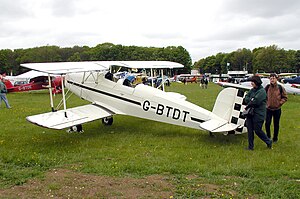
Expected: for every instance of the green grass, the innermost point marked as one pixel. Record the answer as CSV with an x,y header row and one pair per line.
x,y
197,164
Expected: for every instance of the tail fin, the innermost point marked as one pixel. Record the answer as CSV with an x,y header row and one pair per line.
x,y
229,106
8,84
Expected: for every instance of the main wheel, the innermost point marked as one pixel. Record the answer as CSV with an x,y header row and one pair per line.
x,y
79,128
107,121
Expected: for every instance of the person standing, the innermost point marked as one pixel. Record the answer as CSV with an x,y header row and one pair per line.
x,y
276,97
256,98
206,82
3,91
202,82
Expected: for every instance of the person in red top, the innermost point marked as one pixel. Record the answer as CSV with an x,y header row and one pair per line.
x,y
276,97
3,91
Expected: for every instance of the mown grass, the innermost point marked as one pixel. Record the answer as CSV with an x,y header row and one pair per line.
x,y
199,165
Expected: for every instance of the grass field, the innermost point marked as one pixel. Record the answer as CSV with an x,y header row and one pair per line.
x,y
189,159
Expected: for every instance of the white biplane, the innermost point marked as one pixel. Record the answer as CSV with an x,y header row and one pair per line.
x,y
92,81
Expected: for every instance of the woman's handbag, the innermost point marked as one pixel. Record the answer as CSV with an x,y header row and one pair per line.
x,y
248,112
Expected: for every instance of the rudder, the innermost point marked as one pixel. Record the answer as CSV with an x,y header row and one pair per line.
x,y
229,106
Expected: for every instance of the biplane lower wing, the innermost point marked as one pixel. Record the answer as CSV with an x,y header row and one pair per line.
x,y
70,117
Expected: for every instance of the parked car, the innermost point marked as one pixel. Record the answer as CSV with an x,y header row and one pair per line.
x,y
157,81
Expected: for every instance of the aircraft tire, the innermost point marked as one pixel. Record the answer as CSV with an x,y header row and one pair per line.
x,y
107,121
77,128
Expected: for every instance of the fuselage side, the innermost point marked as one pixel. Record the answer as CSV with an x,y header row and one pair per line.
x,y
142,101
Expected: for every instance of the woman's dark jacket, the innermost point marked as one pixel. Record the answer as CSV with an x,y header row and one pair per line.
x,y
257,98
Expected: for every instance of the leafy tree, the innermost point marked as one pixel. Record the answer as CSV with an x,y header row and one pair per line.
x,y
228,59
290,61
261,59
6,61
81,53
180,55
219,62
211,64
241,59
75,57
102,52
297,61
266,59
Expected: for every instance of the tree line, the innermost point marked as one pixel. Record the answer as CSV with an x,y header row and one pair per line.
x,y
10,60
263,59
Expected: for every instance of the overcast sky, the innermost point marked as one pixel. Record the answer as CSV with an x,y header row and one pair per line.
x,y
202,27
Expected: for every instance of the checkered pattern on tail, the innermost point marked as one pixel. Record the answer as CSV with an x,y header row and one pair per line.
x,y
236,115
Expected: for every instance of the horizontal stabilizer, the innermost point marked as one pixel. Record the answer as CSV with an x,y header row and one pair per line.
x,y
214,125
227,128
75,116
232,85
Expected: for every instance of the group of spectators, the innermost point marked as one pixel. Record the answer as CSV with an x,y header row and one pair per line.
x,y
266,104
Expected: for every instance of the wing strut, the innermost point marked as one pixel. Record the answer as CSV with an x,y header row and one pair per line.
x,y
162,79
152,77
50,91
64,96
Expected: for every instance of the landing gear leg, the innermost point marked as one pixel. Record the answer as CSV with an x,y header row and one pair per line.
x,y
211,134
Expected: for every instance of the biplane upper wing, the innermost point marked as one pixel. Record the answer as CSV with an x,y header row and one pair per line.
x,y
66,67
71,67
71,117
147,64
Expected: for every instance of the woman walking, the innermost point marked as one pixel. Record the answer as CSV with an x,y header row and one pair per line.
x,y
256,99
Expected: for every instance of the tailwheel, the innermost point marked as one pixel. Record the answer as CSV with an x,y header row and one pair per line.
x,y
107,121
77,128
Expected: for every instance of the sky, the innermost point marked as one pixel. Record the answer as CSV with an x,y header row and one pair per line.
x,y
202,27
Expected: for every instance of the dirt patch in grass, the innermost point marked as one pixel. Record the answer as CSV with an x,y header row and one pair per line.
x,y
61,183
